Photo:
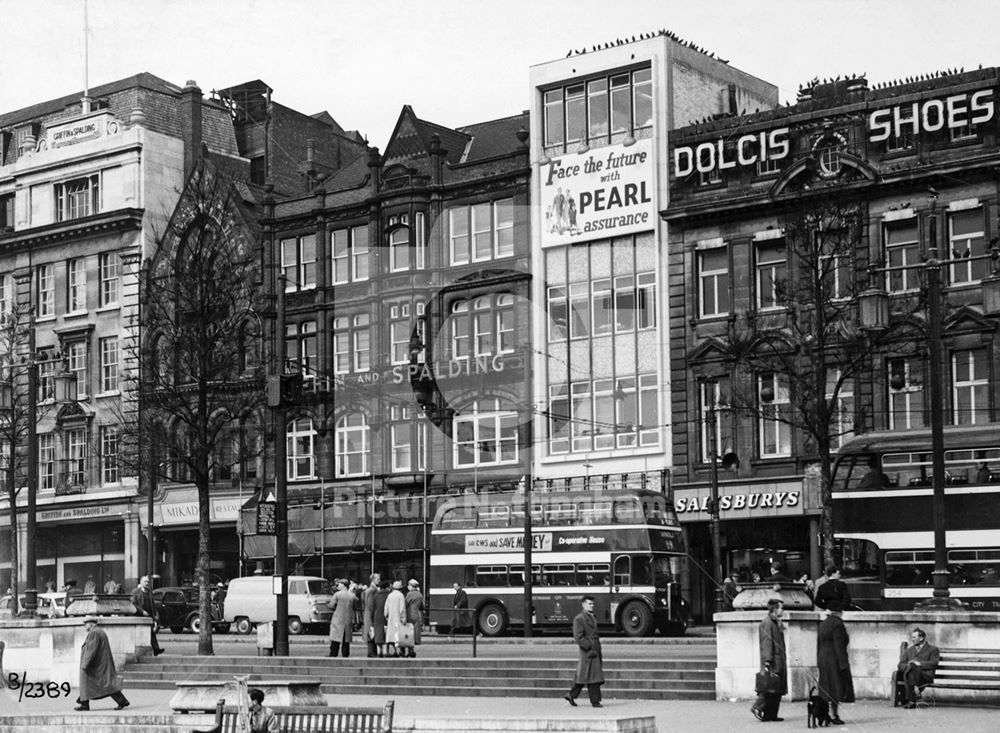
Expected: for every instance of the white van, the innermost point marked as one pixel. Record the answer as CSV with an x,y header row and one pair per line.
x,y
251,600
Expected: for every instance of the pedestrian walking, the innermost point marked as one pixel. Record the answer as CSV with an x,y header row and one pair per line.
x,y
262,719
590,667
98,676
395,616
836,685
459,612
414,614
368,613
773,664
833,595
380,622
342,620
142,599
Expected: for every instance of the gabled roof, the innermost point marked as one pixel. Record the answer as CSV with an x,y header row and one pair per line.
x,y
495,137
411,138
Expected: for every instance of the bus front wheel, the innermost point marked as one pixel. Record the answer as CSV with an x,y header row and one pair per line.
x,y
492,620
637,619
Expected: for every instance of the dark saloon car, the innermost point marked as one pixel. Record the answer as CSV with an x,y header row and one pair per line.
x,y
178,610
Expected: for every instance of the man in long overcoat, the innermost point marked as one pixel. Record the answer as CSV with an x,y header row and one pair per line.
x,y
414,613
98,676
772,658
590,668
459,613
342,620
836,685
395,615
834,594
142,599
368,613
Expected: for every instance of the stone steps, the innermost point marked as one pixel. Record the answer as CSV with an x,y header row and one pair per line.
x,y
692,679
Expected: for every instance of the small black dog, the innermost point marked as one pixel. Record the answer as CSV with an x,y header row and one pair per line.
x,y
818,710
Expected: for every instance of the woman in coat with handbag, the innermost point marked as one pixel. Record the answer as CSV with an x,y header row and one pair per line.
x,y
772,680
836,685
395,616
414,614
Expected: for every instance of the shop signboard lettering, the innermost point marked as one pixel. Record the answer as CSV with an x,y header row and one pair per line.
x,y
931,115
448,369
74,133
695,503
540,542
718,154
604,192
80,512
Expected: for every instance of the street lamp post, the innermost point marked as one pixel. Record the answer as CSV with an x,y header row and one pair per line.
x,y
874,316
709,391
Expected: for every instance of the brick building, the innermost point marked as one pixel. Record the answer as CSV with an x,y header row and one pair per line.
x,y
881,173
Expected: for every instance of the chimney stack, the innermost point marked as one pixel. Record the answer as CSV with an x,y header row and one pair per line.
x,y
191,125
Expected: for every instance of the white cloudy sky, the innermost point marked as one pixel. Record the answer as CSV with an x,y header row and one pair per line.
x,y
461,61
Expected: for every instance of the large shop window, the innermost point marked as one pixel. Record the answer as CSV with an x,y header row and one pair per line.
x,y
481,232
78,197
598,111
483,326
352,439
603,414
774,413
713,282
902,250
298,262
905,383
485,435
300,447
349,255
967,240
971,387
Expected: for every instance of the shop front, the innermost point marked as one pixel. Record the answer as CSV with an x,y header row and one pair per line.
x,y
175,521
760,523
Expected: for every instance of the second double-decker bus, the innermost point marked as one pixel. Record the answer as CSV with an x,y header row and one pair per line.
x,y
884,520
621,546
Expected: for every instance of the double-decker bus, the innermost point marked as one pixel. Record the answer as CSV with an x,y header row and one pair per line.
x,y
884,520
621,546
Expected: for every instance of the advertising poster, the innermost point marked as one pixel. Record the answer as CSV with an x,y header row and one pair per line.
x,y
602,193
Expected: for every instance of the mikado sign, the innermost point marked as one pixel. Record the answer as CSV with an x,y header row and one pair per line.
x,y
601,193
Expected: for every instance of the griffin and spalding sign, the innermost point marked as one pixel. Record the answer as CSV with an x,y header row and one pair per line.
x,y
930,115
602,193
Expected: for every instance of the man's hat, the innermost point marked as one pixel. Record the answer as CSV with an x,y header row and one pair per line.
x,y
91,620
413,583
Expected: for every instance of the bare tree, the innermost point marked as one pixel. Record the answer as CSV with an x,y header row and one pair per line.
x,y
799,355
200,363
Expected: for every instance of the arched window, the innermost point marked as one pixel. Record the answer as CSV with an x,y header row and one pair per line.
x,y
352,441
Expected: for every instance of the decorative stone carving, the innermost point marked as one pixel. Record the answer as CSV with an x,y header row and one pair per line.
x,y
203,696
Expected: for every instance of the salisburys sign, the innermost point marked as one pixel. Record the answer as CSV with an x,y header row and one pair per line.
x,y
601,193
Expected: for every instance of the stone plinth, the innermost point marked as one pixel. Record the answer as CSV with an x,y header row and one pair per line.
x,y
756,595
48,650
873,650
100,604
203,696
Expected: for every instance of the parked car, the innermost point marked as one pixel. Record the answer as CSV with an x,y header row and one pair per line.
x,y
178,610
251,601
50,605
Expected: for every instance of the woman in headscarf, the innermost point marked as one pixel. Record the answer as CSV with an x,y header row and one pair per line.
x,y
395,616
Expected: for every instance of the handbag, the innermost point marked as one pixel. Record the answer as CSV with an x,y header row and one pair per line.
x,y
405,636
767,683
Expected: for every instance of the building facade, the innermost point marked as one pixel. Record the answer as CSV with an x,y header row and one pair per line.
x,y
85,189
405,288
600,125
817,194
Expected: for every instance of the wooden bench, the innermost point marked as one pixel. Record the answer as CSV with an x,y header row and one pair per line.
x,y
965,669
314,719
